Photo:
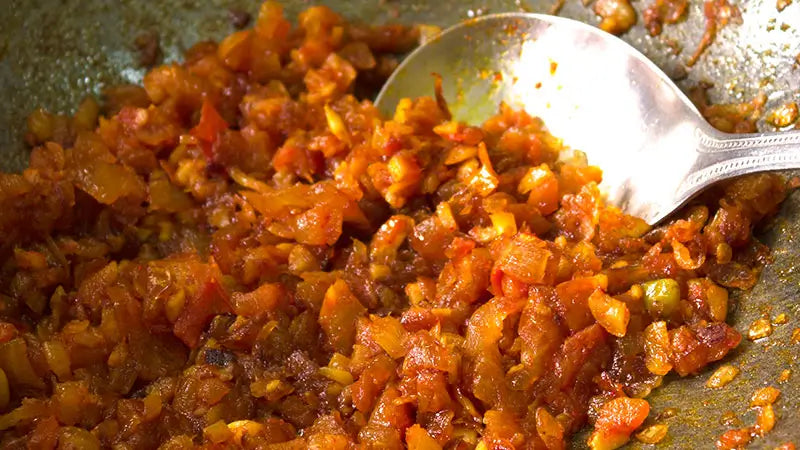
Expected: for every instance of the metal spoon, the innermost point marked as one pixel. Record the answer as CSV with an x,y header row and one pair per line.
x,y
599,95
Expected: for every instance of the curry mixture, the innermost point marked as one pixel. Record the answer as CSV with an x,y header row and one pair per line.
x,y
244,253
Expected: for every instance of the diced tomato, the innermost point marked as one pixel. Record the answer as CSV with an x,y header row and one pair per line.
x,y
199,310
209,128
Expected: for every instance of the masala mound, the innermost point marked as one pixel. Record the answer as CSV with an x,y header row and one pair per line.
x,y
244,253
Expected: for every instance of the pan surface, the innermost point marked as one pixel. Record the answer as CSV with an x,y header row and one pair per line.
x,y
55,52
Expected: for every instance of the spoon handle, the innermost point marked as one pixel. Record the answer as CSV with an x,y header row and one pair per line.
x,y
725,155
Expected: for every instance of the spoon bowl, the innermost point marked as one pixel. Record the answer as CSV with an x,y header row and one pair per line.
x,y
599,95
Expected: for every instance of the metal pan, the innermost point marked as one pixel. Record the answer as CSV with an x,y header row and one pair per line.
x,y
54,52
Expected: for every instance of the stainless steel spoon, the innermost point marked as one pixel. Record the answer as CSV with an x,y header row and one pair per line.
x,y
599,95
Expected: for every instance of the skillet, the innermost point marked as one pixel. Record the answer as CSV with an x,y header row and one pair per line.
x,y
54,52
